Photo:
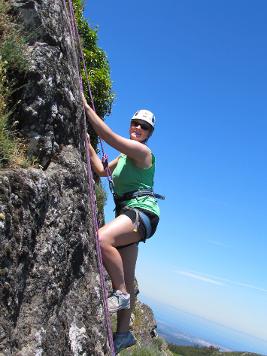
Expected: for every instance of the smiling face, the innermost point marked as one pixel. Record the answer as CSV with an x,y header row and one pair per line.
x,y
139,130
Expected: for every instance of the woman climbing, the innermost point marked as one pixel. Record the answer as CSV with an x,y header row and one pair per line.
x,y
137,211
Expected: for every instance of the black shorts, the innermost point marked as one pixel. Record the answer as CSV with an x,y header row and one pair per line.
x,y
153,218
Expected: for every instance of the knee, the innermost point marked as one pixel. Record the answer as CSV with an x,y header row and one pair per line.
x,y
103,241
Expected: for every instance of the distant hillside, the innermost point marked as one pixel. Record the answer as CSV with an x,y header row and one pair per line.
x,y
204,351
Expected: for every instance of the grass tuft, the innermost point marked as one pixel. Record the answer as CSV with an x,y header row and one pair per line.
x,y
12,60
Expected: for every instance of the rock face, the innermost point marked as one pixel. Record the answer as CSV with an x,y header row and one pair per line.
x,y
50,295
144,325
49,114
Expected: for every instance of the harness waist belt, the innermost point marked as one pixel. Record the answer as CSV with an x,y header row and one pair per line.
x,y
136,194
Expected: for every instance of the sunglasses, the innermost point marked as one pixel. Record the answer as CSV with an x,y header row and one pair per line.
x,y
145,127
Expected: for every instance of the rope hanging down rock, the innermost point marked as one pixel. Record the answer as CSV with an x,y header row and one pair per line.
x,y
104,155
91,193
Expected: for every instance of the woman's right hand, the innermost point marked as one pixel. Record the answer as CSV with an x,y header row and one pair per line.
x,y
85,104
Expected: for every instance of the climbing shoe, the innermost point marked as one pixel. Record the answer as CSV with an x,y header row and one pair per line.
x,y
118,301
123,340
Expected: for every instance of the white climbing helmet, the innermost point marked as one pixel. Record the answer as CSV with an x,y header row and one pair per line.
x,y
145,115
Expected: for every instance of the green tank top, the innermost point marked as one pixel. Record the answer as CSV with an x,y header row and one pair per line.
x,y
128,177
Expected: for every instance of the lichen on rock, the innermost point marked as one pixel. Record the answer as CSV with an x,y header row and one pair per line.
x,y
48,259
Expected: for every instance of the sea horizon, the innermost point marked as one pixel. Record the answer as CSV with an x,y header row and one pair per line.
x,y
184,328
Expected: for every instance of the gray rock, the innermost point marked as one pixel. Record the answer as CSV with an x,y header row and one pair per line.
x,y
51,302
50,110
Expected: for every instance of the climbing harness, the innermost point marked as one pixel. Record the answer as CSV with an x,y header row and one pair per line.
x,y
137,194
139,215
120,203
91,193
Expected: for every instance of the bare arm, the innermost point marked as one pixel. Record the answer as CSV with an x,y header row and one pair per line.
x,y
135,150
97,163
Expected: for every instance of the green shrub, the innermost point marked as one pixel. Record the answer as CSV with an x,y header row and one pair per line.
x,y
101,196
158,341
194,350
96,63
142,350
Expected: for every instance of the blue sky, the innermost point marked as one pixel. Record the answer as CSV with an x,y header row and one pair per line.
x,y
200,66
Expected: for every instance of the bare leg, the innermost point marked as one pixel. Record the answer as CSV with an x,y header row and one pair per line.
x,y
129,257
118,232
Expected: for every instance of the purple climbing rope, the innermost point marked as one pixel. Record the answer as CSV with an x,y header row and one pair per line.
x,y
104,155
91,192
